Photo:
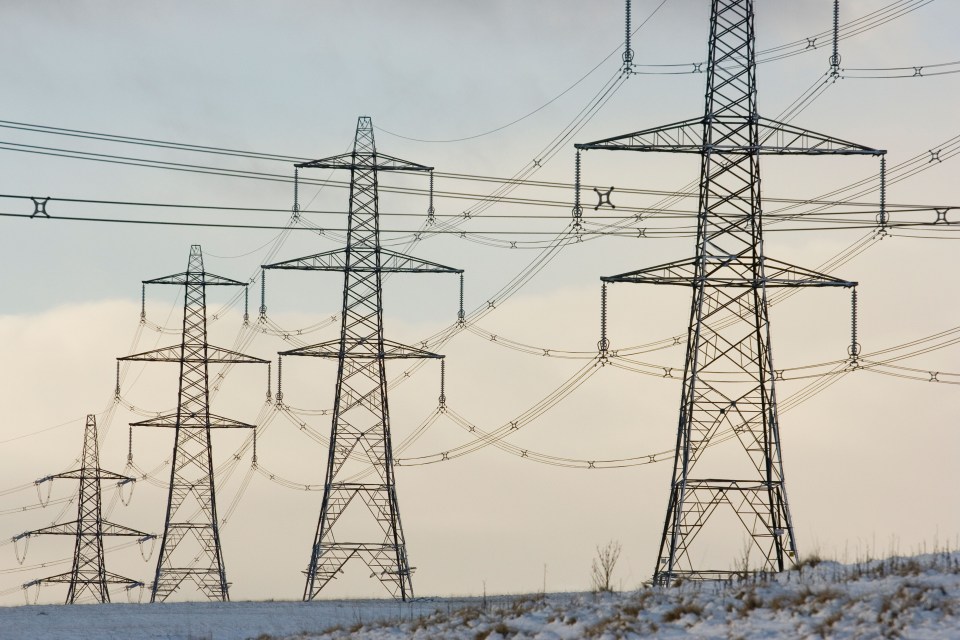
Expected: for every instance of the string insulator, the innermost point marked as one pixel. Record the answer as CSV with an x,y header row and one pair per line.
x,y
461,316
130,447
279,381
296,194
143,303
263,295
854,349
246,305
577,209
116,389
442,404
253,460
627,50
269,381
604,345
835,57
431,212
882,219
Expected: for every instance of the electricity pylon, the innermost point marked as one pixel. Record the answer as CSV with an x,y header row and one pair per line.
x,y
89,573
360,426
729,377
191,505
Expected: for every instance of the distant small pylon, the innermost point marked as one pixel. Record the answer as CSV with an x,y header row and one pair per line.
x,y
88,575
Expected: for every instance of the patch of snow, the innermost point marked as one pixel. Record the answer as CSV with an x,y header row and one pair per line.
x,y
915,598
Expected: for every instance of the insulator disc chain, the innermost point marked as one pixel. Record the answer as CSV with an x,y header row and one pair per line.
x,y
603,345
296,194
854,349
835,56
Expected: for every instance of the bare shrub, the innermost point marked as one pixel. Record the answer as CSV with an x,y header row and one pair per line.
x,y
601,571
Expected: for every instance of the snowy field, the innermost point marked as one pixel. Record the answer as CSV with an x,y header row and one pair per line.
x,y
911,598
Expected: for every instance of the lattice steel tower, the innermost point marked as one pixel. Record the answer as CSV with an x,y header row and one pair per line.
x,y
729,377
89,574
191,532
360,429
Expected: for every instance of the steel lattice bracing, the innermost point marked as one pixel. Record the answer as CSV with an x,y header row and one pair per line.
x,y
360,429
729,376
89,575
190,549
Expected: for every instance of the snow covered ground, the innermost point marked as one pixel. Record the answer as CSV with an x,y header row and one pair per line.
x,y
911,598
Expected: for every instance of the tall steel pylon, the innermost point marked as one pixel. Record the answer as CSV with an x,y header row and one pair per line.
x,y
191,531
89,574
729,377
360,428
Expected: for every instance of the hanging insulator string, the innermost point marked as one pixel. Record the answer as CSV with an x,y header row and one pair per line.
x,y
263,295
835,57
279,381
854,350
883,195
269,381
130,447
442,405
627,50
116,389
143,303
461,316
577,209
246,305
431,217
296,194
604,344
253,461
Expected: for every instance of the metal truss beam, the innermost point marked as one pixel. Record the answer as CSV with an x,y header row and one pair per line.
x,y
387,262
773,138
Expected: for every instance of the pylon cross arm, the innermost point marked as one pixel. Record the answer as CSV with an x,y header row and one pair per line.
x,y
110,578
62,529
364,161
101,474
111,529
361,351
170,420
176,353
774,138
340,260
206,279
722,272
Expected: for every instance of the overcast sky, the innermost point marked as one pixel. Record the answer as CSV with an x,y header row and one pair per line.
x,y
869,460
